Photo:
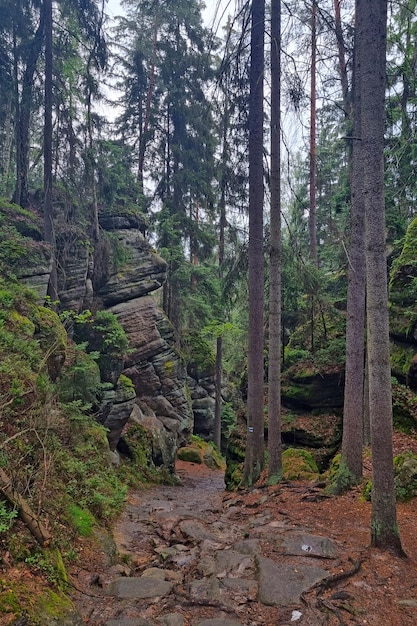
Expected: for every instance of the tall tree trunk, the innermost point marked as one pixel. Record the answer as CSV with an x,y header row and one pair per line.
x,y
372,20
255,435
219,342
275,256
313,155
352,441
49,233
20,195
347,100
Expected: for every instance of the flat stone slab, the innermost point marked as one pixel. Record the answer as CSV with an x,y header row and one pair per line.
x,y
197,531
281,584
205,589
172,619
304,544
131,587
229,561
129,622
218,622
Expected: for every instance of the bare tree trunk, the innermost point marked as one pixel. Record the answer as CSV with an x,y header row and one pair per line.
x,y
347,101
372,19
313,152
352,441
219,342
20,195
255,435
49,233
274,353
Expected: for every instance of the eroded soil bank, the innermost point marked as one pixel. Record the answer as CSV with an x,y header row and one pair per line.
x,y
195,555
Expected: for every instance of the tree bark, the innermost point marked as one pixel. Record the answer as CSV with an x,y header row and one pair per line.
x,y
49,233
352,440
23,109
372,18
255,435
275,257
28,517
313,155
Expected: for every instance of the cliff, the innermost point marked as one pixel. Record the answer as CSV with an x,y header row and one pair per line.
x,y
122,274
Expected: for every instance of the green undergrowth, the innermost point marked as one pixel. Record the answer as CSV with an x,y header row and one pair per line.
x,y
54,452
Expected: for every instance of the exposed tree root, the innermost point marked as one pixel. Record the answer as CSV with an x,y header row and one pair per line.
x,y
320,603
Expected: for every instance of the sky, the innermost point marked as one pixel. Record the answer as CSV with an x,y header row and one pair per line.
x,y
214,13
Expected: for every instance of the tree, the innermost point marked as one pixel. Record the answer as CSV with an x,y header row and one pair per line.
x,y
313,156
372,32
49,233
275,256
353,408
255,434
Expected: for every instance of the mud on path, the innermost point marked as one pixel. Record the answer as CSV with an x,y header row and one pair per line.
x,y
195,555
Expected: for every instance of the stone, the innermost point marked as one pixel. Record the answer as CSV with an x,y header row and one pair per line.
x,y
304,544
218,622
142,272
196,530
172,619
230,561
247,546
129,622
139,588
281,584
205,589
154,572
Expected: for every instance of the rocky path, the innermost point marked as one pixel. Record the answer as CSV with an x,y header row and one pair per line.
x,y
194,555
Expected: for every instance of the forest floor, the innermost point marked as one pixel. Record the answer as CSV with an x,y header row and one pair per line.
x,y
232,559
168,529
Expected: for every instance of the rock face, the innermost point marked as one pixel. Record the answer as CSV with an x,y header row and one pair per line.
x,y
156,371
403,315
119,275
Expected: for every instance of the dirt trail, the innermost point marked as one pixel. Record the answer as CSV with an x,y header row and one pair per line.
x,y
195,555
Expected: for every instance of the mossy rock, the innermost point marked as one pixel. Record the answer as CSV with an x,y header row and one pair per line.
x,y
404,408
53,608
212,458
403,285
405,478
299,464
233,475
190,455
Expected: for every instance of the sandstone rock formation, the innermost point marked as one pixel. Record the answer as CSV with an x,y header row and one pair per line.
x,y
119,274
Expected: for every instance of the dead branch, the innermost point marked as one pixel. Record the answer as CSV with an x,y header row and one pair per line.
x,y
28,517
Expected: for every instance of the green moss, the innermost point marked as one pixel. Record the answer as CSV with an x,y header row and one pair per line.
x,y
82,520
403,283
298,464
9,601
233,475
51,604
405,478
340,478
190,455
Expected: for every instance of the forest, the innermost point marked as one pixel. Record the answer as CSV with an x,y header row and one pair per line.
x,y
246,171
